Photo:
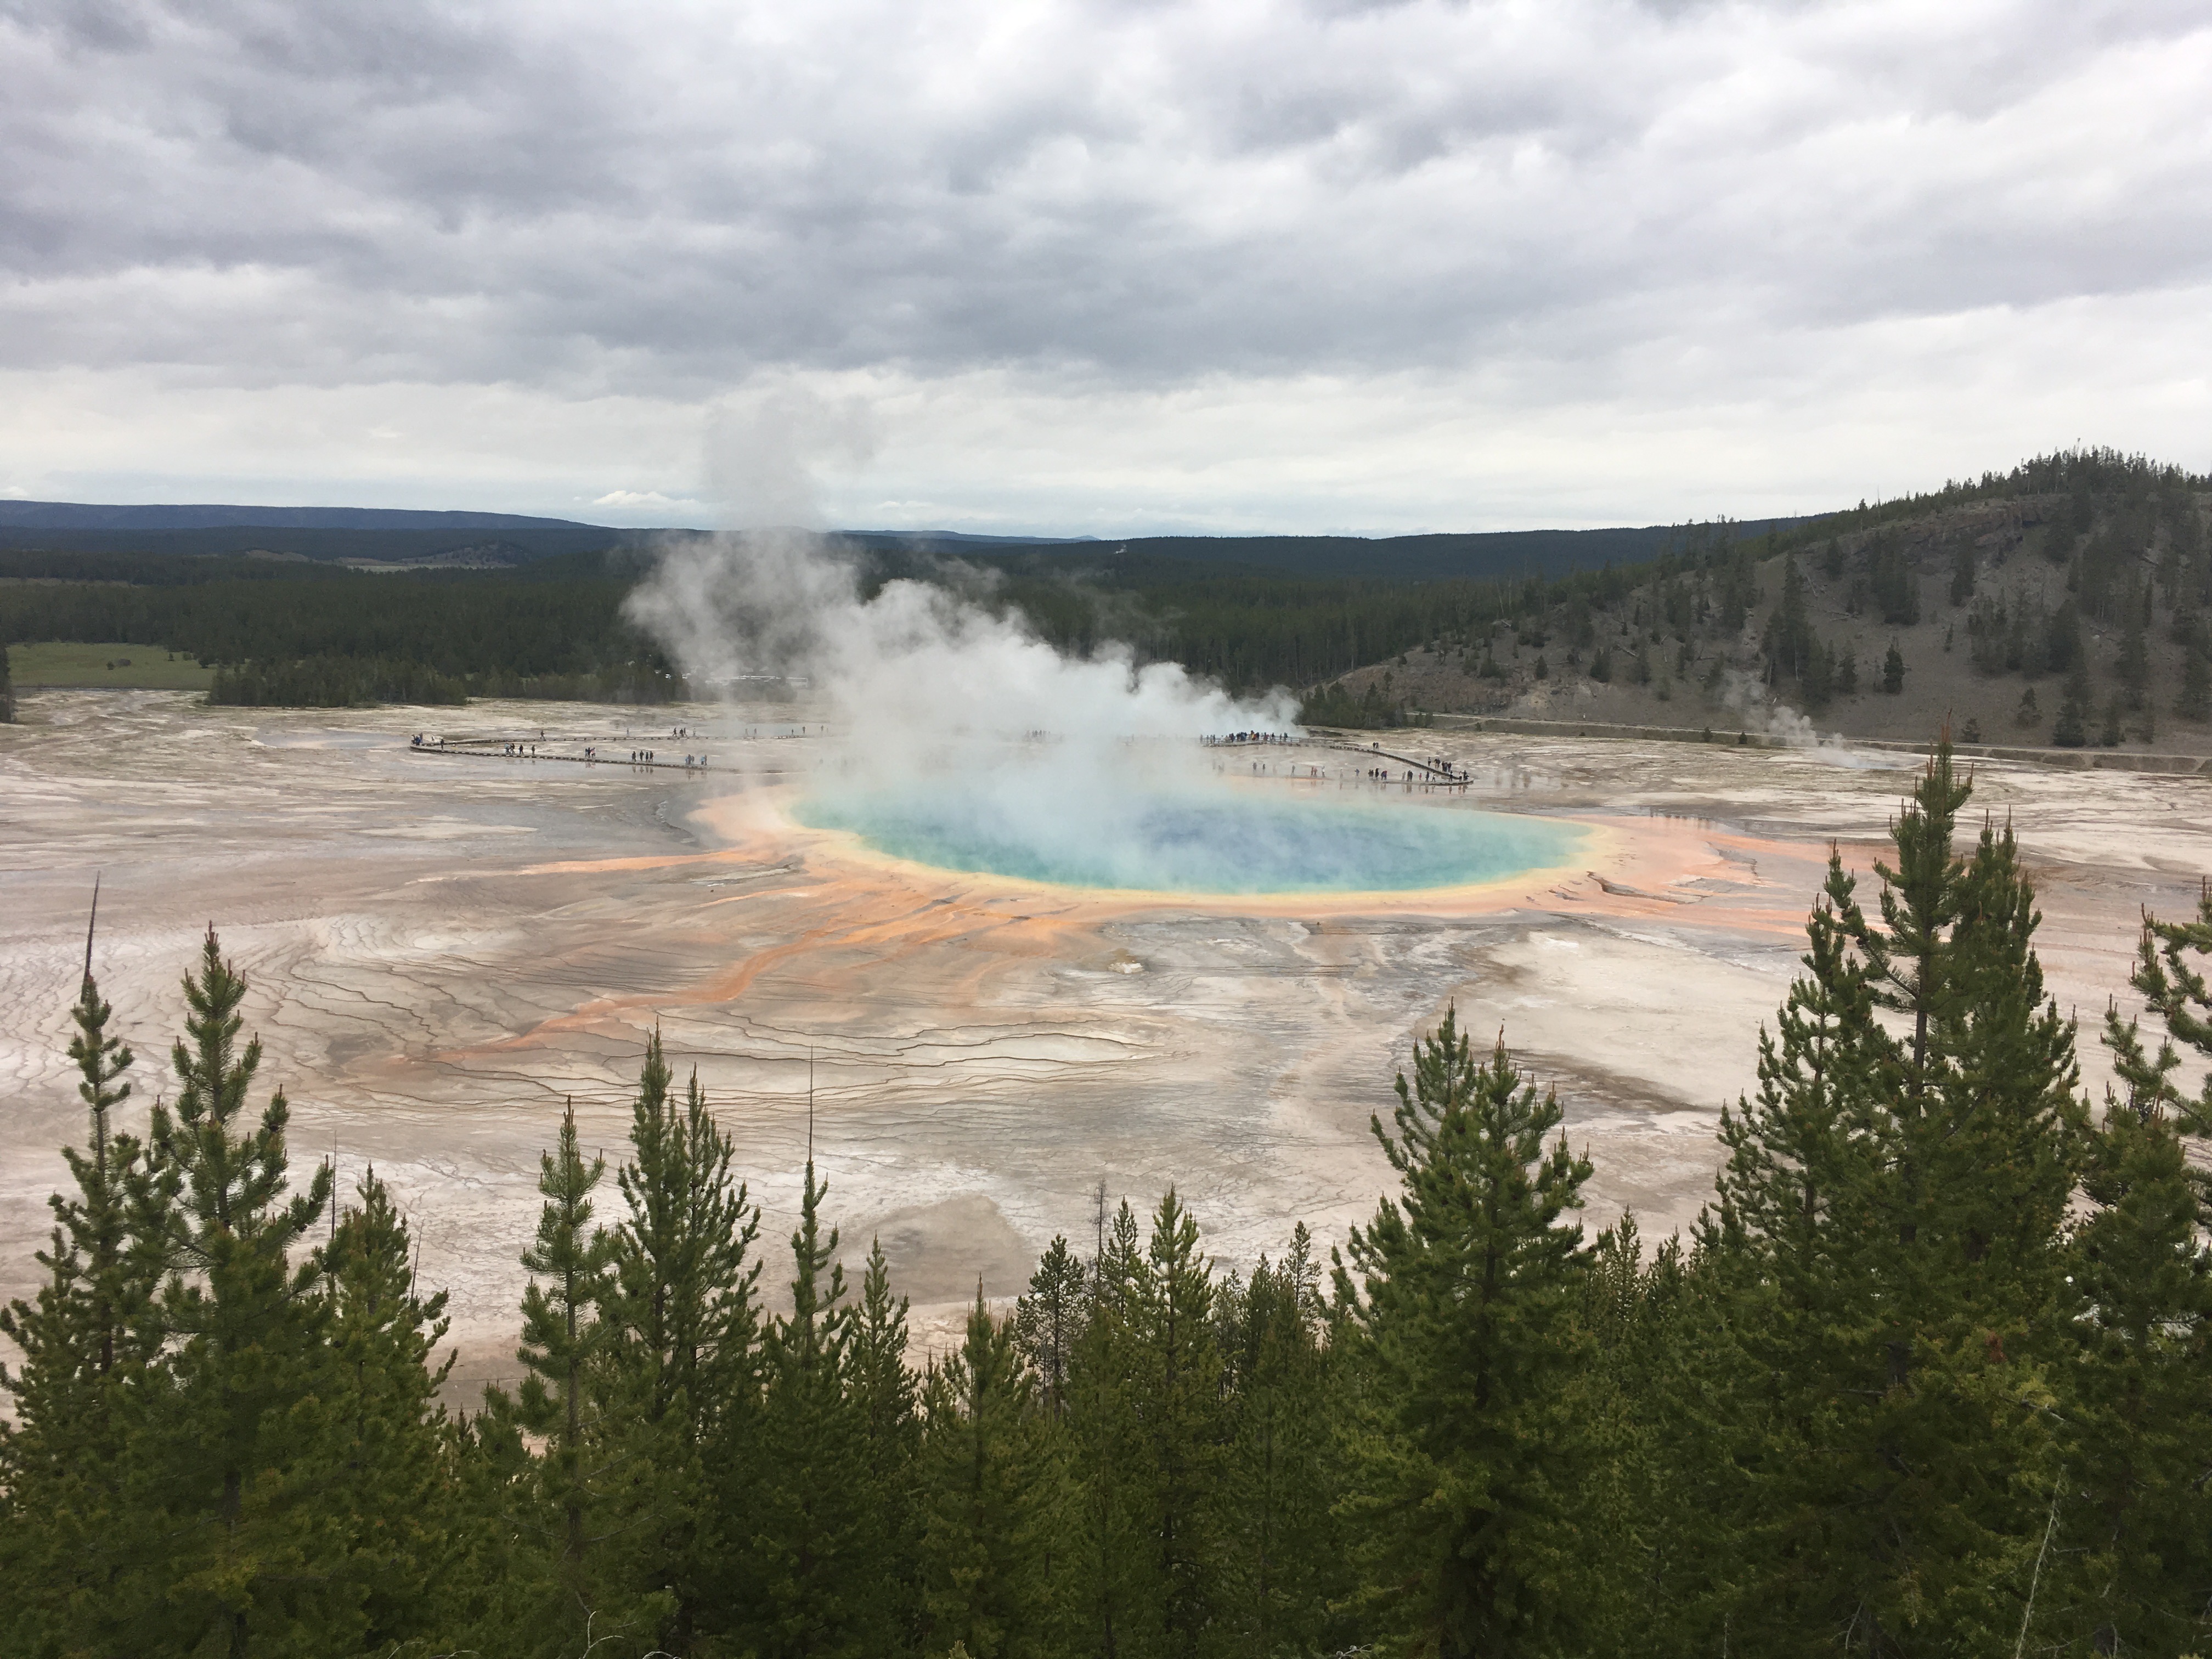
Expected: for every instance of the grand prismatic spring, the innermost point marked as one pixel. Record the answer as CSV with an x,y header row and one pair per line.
x,y
1223,844
1211,985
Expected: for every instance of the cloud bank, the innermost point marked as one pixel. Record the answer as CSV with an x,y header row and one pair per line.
x,y
1234,263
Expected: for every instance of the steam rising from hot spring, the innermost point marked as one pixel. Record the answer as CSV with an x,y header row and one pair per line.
x,y
934,690
967,742
917,667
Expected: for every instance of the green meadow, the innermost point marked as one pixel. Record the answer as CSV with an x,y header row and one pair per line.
x,y
68,663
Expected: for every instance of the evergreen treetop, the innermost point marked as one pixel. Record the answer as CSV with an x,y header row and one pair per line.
x,y
2177,992
984,1542
1894,1216
565,1339
1048,1320
228,1453
229,1182
686,1290
1469,1287
682,1380
82,1324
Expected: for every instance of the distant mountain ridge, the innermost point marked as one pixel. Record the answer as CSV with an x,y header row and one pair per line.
x,y
85,515
399,535
1478,554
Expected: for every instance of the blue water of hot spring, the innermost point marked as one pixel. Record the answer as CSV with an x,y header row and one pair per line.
x,y
1205,843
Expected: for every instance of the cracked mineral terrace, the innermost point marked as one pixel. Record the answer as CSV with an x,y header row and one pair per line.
x,y
444,947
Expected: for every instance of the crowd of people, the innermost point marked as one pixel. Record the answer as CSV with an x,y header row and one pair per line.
x,y
524,748
1434,768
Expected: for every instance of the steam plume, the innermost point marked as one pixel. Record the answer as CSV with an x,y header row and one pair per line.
x,y
933,692
917,658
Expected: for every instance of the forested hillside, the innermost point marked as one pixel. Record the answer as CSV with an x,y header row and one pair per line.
x,y
1478,555
318,632
1931,1375
2069,602
321,634
2069,595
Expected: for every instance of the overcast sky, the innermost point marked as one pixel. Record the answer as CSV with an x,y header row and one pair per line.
x,y
1240,264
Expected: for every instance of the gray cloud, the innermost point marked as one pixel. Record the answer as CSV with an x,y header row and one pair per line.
x,y
667,201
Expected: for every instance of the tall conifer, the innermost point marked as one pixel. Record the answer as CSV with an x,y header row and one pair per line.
x,y
223,1462
1111,1589
1047,1320
1656,1544
817,1591
1282,1553
60,1461
566,1337
984,1479
385,1451
1176,1378
1470,1277
1893,1209
885,1397
1048,1328
2138,1543
683,1369
2176,991
82,1325
2135,1536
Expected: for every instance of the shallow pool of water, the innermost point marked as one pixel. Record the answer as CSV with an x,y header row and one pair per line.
x,y
1210,843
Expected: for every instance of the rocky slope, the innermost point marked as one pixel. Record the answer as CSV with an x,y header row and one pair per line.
x,y
1999,611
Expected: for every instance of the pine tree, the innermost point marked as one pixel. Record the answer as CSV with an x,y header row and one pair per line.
x,y
385,1455
2109,734
60,1461
7,689
1889,582
1893,671
1789,640
1891,1222
2137,1539
1655,1544
222,1438
1470,1280
565,1338
2132,670
1786,1232
1817,680
984,1478
1177,1377
683,1369
1282,1554
811,1544
2142,1537
496,1592
81,1328
1049,1319
1962,574
2179,995
2195,701
1112,1596
885,1398
1791,1152
2071,730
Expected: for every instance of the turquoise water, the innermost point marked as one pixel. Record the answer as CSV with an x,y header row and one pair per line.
x,y
1213,843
